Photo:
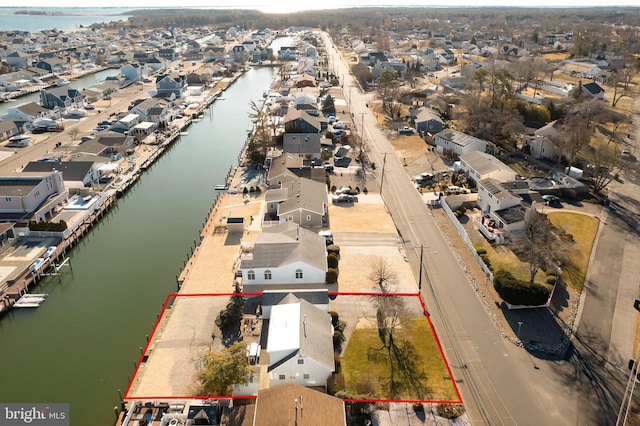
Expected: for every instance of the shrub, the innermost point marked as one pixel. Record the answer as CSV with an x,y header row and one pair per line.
x,y
365,190
449,411
333,188
333,248
332,260
481,251
357,189
245,190
331,276
518,292
486,261
48,226
334,318
462,210
551,279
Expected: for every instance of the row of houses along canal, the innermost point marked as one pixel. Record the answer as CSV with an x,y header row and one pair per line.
x,y
81,345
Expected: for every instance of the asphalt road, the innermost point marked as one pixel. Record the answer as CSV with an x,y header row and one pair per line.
x,y
499,385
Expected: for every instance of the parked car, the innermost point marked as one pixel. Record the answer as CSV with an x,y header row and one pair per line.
x,y
328,168
86,138
340,125
338,132
343,198
105,123
406,130
551,200
89,106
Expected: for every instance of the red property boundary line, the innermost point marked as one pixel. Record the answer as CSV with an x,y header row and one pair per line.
x,y
256,294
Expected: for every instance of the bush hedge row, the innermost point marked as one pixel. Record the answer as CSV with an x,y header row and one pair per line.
x,y
519,292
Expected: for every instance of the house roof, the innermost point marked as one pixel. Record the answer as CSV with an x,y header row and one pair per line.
x,y
281,165
31,108
496,189
276,406
485,163
427,114
71,170
12,186
300,328
284,244
295,114
301,143
7,126
512,214
305,195
458,138
593,88
316,297
550,129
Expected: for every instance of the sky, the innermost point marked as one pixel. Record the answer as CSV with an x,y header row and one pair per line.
x,y
283,6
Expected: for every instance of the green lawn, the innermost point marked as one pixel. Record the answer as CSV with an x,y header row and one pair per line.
x,y
419,372
584,229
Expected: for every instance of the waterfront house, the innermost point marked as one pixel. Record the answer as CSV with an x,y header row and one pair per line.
x,y
62,97
270,298
171,85
53,65
151,109
305,144
298,121
107,144
300,200
291,165
284,256
480,165
454,143
300,344
274,407
18,60
76,174
33,196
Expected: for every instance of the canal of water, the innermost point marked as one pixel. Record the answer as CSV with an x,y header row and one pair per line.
x,y
80,346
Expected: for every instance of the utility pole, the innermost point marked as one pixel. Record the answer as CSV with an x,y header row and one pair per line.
x,y
362,139
384,161
420,275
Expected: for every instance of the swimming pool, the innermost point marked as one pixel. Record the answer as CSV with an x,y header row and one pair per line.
x,y
77,202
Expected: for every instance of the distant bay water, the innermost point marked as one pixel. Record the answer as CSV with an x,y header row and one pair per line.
x,y
61,18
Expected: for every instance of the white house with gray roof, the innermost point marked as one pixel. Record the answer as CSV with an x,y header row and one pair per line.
x,y
453,142
284,255
299,200
300,344
480,165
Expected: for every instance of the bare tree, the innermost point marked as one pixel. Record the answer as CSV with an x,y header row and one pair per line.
x,y
383,276
537,245
605,160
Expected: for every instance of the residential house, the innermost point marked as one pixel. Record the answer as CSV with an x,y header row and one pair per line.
x,y
118,57
214,53
542,145
292,165
305,144
480,166
288,53
198,78
171,85
300,200
270,298
75,174
300,345
501,205
62,97
107,144
8,128
17,60
285,256
239,54
427,120
53,65
447,57
132,72
298,121
29,112
31,196
146,109
169,54
273,408
452,142
126,123
594,90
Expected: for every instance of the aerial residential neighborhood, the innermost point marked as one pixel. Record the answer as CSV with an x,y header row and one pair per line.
x,y
430,217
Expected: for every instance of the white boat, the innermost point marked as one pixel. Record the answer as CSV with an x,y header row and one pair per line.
x,y
221,187
30,300
62,81
45,122
77,112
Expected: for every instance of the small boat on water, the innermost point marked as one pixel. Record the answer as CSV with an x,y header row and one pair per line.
x,y
221,187
30,300
62,82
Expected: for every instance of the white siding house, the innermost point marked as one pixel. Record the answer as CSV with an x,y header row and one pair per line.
x,y
285,254
300,345
453,142
480,165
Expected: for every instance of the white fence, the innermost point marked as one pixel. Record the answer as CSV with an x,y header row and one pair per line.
x,y
463,233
